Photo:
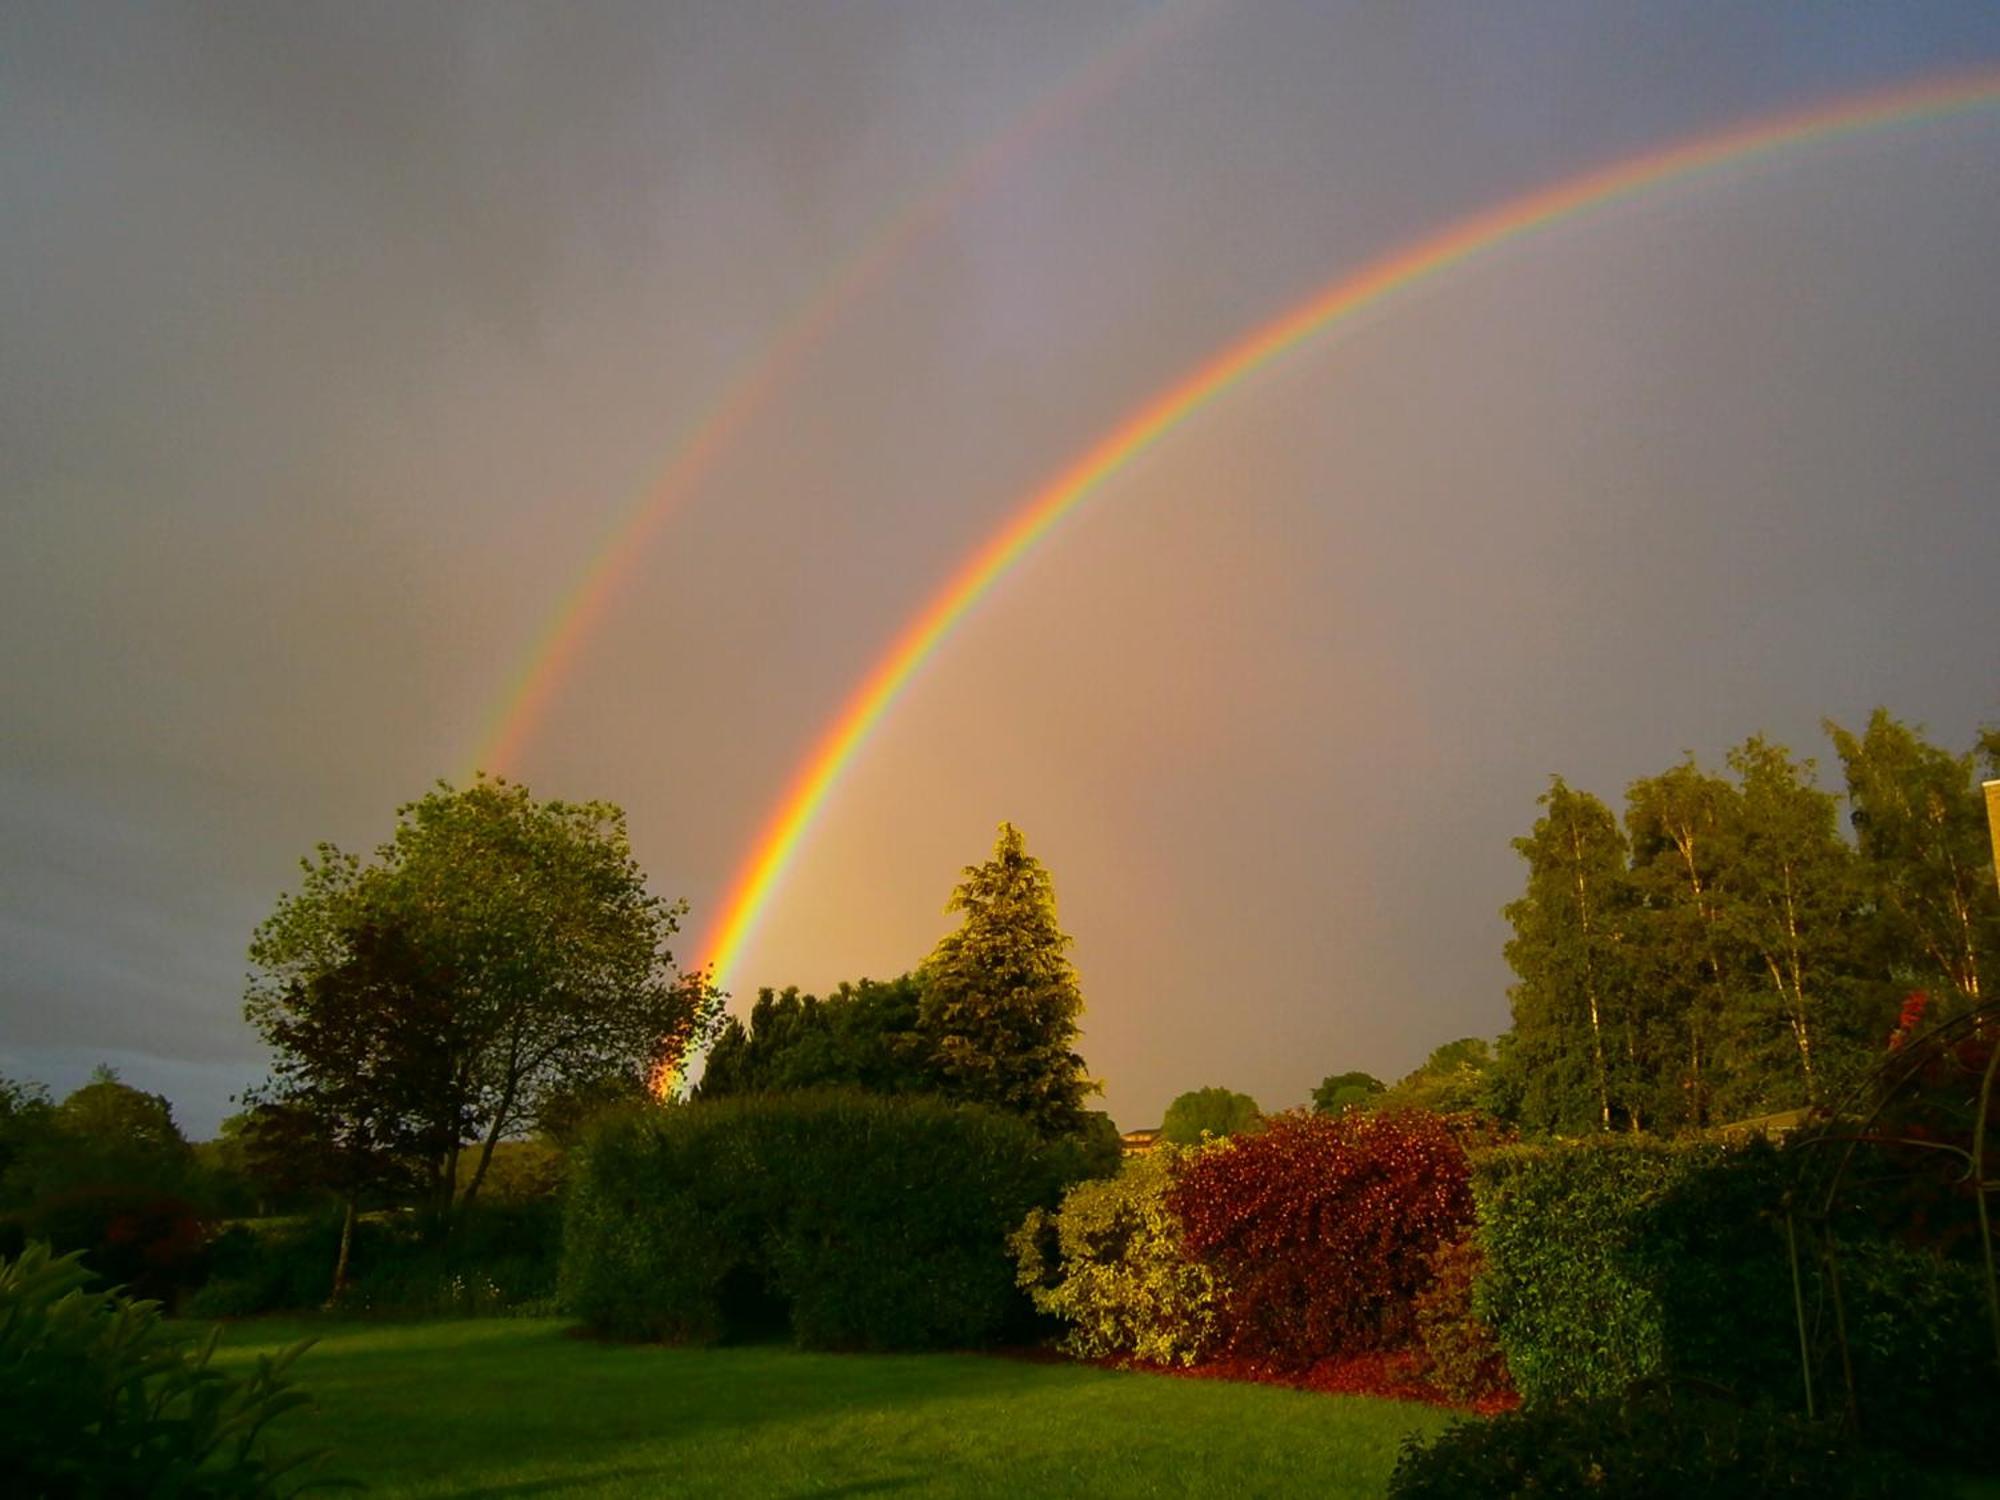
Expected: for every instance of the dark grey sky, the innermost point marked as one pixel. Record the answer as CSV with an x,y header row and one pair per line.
x,y
333,338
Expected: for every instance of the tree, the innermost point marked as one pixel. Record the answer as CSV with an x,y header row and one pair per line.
x,y
1452,1080
864,1035
1927,858
1216,1112
1339,1091
1789,894
1000,1000
1683,824
1570,1025
27,1120
105,1134
495,952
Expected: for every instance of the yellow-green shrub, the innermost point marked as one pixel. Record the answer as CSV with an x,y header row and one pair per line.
x,y
1120,1276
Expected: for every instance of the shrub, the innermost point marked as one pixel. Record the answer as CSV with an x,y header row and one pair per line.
x,y
1614,1260
133,1236
97,1398
1651,1447
863,1221
1922,1350
496,1259
1121,1277
1321,1228
1462,1355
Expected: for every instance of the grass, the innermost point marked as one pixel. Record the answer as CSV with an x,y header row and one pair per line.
x,y
518,1408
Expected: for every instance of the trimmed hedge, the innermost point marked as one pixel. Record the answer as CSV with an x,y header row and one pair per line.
x,y
1615,1260
860,1221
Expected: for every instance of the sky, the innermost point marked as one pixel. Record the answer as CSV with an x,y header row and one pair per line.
x,y
336,340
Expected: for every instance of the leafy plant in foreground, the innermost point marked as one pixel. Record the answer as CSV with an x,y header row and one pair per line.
x,y
99,1398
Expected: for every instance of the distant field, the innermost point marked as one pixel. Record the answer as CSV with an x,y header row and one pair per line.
x,y
519,1408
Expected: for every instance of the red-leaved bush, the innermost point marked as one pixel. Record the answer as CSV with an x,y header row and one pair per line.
x,y
1323,1227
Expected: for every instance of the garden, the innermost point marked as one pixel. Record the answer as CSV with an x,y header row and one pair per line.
x,y
884,1245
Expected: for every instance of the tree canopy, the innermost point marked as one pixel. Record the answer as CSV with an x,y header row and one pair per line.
x,y
1214,1111
497,951
1339,1091
864,1035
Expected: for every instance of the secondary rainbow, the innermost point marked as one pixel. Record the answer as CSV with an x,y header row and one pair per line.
x,y
768,371
778,841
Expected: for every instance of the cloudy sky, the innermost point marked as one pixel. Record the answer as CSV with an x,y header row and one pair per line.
x,y
336,339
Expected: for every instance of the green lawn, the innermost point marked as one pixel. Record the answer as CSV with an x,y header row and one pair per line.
x,y
516,1408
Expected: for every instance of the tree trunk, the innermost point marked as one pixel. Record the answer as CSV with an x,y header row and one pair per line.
x,y
346,1248
486,1150
1590,979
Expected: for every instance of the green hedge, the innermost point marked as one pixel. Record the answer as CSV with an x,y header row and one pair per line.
x,y
1616,1260
1650,1445
857,1221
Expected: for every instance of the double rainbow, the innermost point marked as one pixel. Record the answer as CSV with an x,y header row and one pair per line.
x,y
761,873
773,367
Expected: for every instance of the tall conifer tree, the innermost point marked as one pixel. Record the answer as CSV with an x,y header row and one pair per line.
x,y
1000,999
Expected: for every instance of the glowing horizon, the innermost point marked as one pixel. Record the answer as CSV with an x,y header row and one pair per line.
x,y
766,372
784,828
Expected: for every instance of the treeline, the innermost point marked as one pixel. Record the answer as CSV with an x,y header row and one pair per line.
x,y
1724,951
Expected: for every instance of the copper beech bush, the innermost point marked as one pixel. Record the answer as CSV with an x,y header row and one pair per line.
x,y
1323,1228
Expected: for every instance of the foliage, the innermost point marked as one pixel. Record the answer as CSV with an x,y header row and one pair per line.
x,y
1462,1355
99,1398
1217,1112
106,1133
862,1221
861,1036
1926,858
1922,1351
499,1259
1652,1446
1682,825
1118,1273
1322,1227
1729,955
1610,1261
1574,1020
1000,1000
1790,897
1339,1091
1452,1080
497,952
134,1236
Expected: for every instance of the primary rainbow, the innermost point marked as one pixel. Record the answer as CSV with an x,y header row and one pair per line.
x,y
779,840
771,368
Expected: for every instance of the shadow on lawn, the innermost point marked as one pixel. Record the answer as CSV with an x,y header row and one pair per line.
x,y
665,1472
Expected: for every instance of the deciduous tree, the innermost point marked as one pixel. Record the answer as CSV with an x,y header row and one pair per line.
x,y
1570,1025
496,951
1926,857
1339,1091
1217,1112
